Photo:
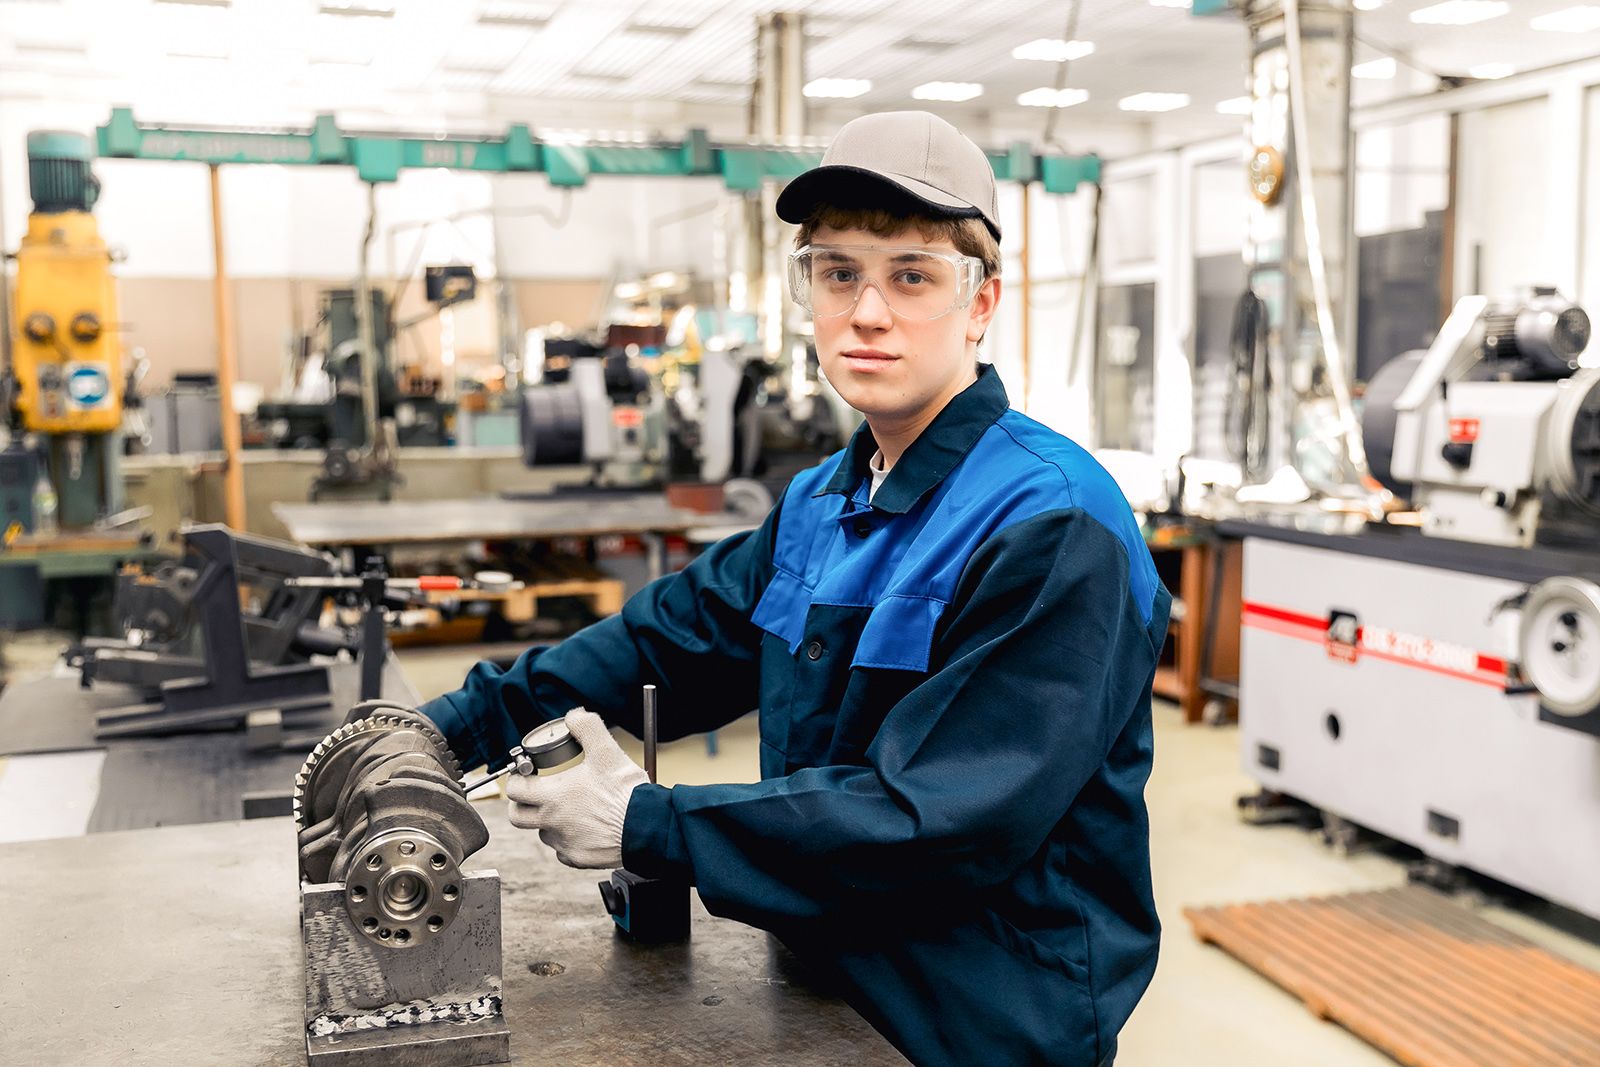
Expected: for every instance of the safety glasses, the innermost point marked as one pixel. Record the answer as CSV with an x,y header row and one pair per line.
x,y
915,283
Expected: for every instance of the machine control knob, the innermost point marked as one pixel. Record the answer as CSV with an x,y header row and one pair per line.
x,y
39,327
86,327
1458,454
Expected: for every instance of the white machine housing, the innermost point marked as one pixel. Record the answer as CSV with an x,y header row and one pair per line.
x,y
1491,426
1378,683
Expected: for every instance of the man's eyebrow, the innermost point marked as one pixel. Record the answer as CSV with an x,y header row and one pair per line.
x,y
835,256
914,257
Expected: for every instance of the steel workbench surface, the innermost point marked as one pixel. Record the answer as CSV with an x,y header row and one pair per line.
x,y
365,522
182,945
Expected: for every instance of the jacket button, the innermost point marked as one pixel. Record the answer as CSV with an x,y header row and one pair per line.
x,y
814,650
863,527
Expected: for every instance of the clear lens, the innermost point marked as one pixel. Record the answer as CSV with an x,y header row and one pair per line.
x,y
828,280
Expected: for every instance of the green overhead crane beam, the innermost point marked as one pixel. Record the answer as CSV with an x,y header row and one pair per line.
x,y
382,158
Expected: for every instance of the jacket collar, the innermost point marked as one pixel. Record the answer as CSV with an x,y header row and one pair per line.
x,y
934,454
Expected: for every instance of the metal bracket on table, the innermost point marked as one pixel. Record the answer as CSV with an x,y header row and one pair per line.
x,y
232,686
429,1005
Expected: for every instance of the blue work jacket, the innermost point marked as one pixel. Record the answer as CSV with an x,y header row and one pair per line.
x,y
953,681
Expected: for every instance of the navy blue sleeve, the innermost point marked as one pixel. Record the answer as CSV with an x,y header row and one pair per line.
x,y
1041,659
689,633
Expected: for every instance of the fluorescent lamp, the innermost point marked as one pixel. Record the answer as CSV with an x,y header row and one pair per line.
x,y
1238,105
1170,3
1581,19
1491,71
358,8
1154,102
1045,96
1053,50
1368,5
953,92
837,88
1459,12
1374,69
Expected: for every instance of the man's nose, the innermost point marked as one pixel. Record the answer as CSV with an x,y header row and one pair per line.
x,y
871,311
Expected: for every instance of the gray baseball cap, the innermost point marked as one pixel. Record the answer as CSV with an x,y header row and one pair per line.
x,y
908,161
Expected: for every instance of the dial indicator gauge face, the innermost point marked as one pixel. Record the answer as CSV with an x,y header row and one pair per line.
x,y
551,744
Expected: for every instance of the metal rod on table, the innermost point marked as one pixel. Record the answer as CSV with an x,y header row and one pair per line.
x,y
650,732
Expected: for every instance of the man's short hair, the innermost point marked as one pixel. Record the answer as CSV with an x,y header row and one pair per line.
x,y
970,236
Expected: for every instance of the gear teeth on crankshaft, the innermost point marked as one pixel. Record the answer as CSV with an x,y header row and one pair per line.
x,y
383,721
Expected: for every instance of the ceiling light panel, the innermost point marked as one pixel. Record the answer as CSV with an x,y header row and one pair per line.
x,y
358,8
1375,69
1492,71
1582,19
1049,96
1053,50
949,92
1238,105
1460,12
1154,102
837,88
516,13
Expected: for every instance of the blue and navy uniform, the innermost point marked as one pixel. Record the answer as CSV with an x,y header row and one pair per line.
x,y
953,679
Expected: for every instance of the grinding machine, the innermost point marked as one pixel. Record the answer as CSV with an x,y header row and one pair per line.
x,y
402,945
1441,684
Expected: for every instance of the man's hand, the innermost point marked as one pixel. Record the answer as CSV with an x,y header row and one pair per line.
x,y
580,812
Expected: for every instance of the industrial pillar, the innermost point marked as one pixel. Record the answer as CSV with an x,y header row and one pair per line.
x,y
778,116
1298,253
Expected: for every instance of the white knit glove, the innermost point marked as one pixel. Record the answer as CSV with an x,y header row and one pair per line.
x,y
580,811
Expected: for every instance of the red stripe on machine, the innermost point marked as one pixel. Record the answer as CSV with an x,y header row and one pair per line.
x,y
1379,643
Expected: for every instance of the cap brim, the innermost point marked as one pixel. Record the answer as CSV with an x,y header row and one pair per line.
x,y
855,187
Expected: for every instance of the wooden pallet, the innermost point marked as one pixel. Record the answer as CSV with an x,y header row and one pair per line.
x,y
1420,977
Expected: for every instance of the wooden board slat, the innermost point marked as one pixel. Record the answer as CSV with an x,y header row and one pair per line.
x,y
1418,976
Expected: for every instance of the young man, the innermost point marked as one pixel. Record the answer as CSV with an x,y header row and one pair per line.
x,y
950,630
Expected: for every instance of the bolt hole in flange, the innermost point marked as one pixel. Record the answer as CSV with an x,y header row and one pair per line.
x,y
1332,725
451,892
369,923
358,893
374,861
402,936
438,861
435,924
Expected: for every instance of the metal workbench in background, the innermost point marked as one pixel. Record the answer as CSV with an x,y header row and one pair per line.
x,y
160,781
182,945
353,524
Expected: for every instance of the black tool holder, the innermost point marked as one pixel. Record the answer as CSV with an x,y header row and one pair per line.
x,y
647,910
227,686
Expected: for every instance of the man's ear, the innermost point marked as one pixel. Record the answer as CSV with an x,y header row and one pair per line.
x,y
981,311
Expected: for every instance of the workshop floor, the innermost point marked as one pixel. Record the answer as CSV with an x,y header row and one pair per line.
x,y
1204,1008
